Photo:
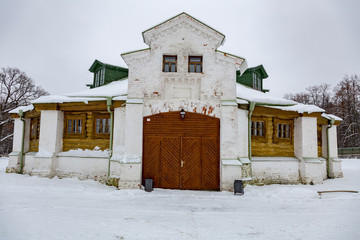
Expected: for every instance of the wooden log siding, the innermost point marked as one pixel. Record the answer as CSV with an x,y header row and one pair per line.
x,y
89,141
270,145
34,134
319,140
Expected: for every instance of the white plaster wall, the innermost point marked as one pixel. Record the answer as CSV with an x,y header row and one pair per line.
x,y
18,126
83,168
119,130
51,131
129,175
243,133
229,174
275,170
333,142
305,138
228,133
134,129
42,167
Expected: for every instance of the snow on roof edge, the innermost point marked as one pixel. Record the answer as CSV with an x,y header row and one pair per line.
x,y
23,108
329,116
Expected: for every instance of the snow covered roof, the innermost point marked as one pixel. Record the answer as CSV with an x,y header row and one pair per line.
x,y
329,116
248,94
113,89
300,108
23,108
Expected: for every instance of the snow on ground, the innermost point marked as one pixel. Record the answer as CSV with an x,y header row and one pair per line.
x,y
42,208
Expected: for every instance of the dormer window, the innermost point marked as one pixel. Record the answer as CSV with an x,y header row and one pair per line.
x,y
256,82
169,63
100,77
195,64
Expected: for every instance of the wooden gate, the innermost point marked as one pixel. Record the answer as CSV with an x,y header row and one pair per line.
x,y
181,153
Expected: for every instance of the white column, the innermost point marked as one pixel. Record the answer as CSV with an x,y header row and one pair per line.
x,y
14,156
51,132
335,163
229,149
119,130
18,127
130,165
305,149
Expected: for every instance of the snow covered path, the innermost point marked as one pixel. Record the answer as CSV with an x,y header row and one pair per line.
x,y
40,208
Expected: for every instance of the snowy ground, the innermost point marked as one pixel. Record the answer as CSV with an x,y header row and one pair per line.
x,y
41,208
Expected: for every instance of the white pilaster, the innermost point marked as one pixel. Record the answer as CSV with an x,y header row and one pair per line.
x,y
335,163
305,149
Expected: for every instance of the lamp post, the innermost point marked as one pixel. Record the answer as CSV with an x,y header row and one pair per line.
x,y
182,113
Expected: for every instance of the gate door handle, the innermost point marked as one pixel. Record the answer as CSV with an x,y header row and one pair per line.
x,y
182,163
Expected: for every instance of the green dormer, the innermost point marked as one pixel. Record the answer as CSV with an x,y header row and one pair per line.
x,y
253,77
105,73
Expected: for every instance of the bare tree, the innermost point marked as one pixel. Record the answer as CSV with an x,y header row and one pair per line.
x,y
16,89
347,106
320,95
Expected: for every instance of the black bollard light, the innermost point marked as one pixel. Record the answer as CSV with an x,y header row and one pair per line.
x,y
148,185
238,187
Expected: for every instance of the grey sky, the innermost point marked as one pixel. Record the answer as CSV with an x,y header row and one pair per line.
x,y
300,42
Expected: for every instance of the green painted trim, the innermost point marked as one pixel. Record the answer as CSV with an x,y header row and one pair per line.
x,y
97,62
188,16
230,54
140,50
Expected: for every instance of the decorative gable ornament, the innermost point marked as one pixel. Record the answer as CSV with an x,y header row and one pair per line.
x,y
183,20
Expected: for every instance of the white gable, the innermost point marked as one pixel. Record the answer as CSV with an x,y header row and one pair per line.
x,y
181,22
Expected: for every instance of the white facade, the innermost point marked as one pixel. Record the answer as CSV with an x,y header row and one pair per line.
x,y
150,91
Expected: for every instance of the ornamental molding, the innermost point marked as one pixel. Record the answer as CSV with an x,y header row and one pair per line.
x,y
183,22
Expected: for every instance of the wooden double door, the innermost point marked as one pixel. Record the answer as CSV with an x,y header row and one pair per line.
x,y
181,153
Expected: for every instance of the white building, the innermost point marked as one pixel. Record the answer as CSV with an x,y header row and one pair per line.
x,y
182,116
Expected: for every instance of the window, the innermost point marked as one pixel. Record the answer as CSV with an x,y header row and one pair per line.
x,y
258,128
34,128
283,130
169,63
100,77
195,64
256,82
75,126
101,125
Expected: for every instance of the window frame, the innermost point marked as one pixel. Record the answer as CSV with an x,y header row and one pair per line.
x,y
195,63
34,122
257,137
101,135
75,116
170,62
291,130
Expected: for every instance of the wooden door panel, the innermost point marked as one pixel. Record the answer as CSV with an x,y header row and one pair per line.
x,y
170,163
210,164
151,167
191,157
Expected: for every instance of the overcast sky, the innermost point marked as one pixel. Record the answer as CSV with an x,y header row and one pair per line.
x,y
300,43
